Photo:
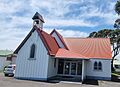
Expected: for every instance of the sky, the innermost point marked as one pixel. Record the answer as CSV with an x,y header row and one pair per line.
x,y
72,18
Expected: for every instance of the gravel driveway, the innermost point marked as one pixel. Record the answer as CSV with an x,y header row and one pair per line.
x,y
11,82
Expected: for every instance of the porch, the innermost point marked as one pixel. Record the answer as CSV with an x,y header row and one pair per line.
x,y
70,70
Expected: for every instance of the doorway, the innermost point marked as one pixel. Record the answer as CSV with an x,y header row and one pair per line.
x,y
70,68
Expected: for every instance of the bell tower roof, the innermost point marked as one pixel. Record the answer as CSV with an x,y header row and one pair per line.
x,y
38,16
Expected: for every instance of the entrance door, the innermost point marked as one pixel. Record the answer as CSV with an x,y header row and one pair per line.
x,y
79,68
72,68
67,68
60,66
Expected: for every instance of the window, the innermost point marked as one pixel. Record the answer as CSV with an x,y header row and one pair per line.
x,y
100,66
55,63
32,51
97,65
37,22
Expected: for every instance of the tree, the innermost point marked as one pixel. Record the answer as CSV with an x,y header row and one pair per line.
x,y
104,33
117,7
114,36
93,34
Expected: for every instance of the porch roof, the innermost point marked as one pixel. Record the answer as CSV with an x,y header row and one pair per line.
x,y
63,53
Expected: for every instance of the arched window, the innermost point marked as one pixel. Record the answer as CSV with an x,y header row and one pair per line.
x,y
32,51
95,65
100,66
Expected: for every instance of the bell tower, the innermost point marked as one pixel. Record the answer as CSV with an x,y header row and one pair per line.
x,y
38,20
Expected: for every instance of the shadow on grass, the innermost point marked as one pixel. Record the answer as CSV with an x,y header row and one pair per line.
x,y
91,82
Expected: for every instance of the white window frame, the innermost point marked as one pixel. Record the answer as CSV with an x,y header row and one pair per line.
x,y
97,66
32,58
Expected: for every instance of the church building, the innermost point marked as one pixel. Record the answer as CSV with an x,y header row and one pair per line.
x,y
41,56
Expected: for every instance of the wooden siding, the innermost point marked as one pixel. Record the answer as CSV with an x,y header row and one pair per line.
x,y
106,68
32,68
52,71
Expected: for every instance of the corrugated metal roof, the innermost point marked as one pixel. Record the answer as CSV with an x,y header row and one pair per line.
x,y
49,41
63,53
77,47
90,47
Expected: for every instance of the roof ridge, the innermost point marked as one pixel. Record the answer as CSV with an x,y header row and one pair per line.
x,y
83,38
42,38
47,39
52,31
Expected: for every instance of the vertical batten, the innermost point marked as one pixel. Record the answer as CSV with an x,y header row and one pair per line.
x,y
27,68
105,73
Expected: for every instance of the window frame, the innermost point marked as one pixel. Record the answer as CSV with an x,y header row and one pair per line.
x,y
32,56
97,66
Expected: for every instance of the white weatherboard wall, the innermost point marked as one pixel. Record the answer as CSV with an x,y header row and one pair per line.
x,y
27,68
58,40
105,72
52,71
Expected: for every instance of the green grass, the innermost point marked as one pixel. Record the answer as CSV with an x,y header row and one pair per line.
x,y
115,74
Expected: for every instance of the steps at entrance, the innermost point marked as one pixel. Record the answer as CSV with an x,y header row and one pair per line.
x,y
65,79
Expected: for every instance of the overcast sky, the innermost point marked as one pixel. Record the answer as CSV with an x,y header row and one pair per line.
x,y
70,17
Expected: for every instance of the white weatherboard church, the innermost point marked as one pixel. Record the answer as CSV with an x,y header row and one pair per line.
x,y
41,56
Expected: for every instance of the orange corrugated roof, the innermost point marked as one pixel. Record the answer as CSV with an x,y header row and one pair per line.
x,y
49,42
63,53
90,47
77,47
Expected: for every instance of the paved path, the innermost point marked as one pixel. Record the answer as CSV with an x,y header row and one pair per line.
x,y
11,82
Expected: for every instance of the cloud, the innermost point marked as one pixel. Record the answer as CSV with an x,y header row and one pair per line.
x,y
73,33
60,11
69,33
69,23
16,22
11,38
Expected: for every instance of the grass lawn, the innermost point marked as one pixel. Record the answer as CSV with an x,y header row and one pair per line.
x,y
116,73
